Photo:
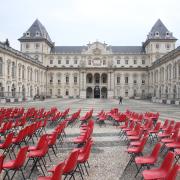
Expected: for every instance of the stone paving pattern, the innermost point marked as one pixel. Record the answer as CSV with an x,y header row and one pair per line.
x,y
108,158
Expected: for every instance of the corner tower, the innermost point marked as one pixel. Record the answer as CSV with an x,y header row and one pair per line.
x,y
36,41
159,41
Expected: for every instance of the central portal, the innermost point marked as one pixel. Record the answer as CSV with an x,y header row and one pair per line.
x,y
96,92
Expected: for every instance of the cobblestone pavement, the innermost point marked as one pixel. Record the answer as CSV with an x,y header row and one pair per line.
x,y
108,158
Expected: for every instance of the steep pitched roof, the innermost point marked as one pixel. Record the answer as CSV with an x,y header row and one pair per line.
x,y
35,28
159,31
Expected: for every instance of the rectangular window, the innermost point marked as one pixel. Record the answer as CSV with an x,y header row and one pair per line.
x,y
126,80
50,91
135,81
168,46
104,62
67,61
157,46
51,61
75,80
59,92
27,46
135,61
37,45
89,62
126,61
59,81
75,61
118,61
143,61
59,61
143,82
67,79
118,80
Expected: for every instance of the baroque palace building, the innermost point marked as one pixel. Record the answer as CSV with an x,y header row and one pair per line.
x,y
96,70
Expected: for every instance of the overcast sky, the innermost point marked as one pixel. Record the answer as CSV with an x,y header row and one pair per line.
x,y
76,22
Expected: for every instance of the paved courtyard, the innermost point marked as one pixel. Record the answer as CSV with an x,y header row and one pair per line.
x,y
108,158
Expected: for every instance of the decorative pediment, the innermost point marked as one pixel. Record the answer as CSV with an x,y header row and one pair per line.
x,y
97,48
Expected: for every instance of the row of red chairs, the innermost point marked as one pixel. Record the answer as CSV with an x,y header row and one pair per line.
x,y
37,152
168,134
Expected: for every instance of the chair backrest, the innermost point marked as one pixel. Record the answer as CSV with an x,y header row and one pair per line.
x,y
71,162
21,157
167,162
157,127
155,151
143,142
41,141
165,123
87,151
58,171
173,173
8,140
1,162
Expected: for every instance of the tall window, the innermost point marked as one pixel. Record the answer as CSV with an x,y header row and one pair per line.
x,y
37,45
67,79
126,80
89,62
8,68
13,70
23,72
67,61
67,92
118,80
104,62
59,92
118,61
19,71
59,61
75,61
75,79
51,61
1,66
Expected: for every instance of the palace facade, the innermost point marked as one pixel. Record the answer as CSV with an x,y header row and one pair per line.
x,y
97,70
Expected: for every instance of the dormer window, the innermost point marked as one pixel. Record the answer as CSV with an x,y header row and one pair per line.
x,y
37,33
157,34
167,34
28,34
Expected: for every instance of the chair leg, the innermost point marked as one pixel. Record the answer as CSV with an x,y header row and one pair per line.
x,y
88,164
13,174
86,169
138,171
33,167
22,174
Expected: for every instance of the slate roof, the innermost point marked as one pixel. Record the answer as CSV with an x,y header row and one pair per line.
x,y
127,49
115,49
37,27
161,29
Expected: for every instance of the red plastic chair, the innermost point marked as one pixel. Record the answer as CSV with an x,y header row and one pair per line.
x,y
135,151
162,171
38,156
153,132
84,156
5,146
57,174
71,165
1,162
173,173
151,159
16,164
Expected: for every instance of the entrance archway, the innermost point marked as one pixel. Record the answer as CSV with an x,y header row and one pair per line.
x,y
89,92
104,92
97,92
